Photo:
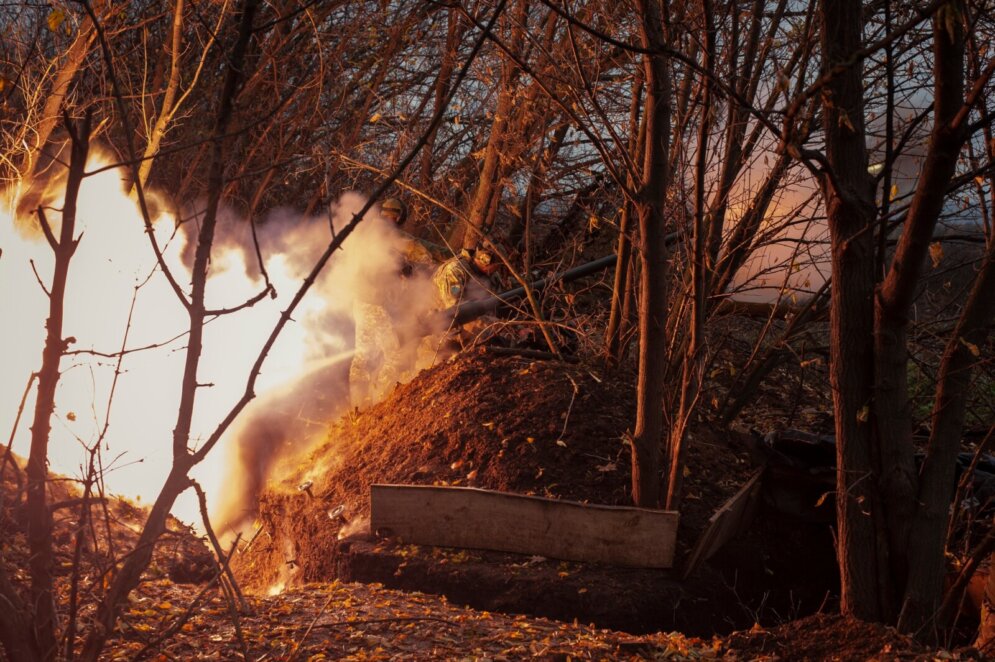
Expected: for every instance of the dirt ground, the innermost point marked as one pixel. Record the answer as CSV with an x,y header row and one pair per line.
x,y
560,433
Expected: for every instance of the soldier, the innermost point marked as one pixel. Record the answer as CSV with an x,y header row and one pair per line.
x,y
464,277
384,349
417,254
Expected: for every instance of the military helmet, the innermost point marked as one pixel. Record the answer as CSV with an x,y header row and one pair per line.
x,y
483,257
394,210
483,261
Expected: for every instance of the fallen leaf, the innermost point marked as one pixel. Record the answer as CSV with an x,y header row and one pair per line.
x,y
55,18
845,121
936,253
971,347
864,414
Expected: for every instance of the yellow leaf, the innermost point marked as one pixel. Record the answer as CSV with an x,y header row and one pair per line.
x,y
845,121
531,440
71,415
893,193
686,471
864,414
971,347
560,442
822,499
55,18
936,253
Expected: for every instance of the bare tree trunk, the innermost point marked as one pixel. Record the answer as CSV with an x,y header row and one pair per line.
x,y
177,481
541,163
894,300
740,66
849,194
441,88
925,553
936,478
616,319
488,182
39,516
66,73
648,435
169,98
694,361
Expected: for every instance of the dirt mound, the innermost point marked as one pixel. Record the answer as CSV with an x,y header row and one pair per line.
x,y
497,422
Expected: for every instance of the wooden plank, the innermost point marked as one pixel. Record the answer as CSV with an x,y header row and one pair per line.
x,y
726,523
485,519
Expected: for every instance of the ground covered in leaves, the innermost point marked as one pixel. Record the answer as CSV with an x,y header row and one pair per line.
x,y
350,621
527,426
506,423
562,435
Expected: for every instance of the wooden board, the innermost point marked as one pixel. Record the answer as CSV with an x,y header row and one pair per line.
x,y
485,519
726,523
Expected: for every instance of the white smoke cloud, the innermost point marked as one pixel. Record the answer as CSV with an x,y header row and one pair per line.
x,y
304,383
362,288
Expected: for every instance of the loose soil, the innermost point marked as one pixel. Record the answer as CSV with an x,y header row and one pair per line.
x,y
485,441
530,427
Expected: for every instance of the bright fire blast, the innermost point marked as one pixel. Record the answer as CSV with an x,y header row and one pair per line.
x,y
114,269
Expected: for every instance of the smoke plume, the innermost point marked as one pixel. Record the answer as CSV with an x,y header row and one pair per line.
x,y
363,324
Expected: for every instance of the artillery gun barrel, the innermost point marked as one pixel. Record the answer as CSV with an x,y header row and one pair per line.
x,y
471,310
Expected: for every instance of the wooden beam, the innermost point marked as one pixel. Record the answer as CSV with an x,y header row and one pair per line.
x,y
485,519
726,523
